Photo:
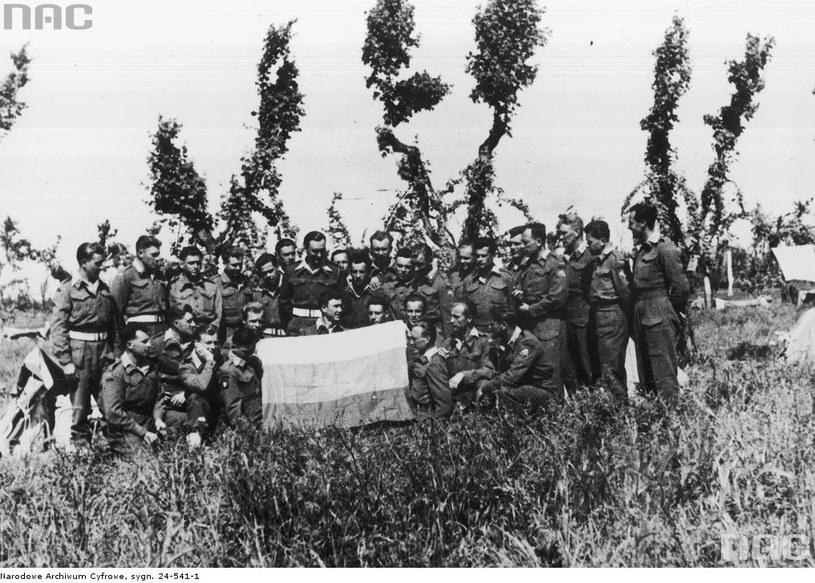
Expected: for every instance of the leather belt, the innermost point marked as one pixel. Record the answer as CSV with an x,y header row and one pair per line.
x,y
304,313
145,318
87,336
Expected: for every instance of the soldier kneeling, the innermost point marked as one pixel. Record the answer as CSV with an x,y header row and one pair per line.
x,y
239,380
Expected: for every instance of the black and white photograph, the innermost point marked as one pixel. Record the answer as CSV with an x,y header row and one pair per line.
x,y
405,283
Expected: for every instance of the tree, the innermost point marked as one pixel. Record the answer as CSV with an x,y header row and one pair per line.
x,y
10,105
116,252
507,34
177,190
716,213
663,185
337,229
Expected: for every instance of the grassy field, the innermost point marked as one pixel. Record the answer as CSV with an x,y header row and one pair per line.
x,y
590,484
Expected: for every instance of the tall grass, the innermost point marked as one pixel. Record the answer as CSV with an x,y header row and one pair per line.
x,y
590,484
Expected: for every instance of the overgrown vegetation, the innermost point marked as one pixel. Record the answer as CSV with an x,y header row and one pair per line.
x,y
591,484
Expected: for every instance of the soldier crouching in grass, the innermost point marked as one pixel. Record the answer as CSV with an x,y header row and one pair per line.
x,y
170,350
239,380
131,399
197,374
429,379
468,351
526,379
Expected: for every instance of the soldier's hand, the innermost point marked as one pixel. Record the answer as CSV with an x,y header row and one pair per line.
x,y
524,307
456,380
150,438
375,284
516,293
177,400
69,369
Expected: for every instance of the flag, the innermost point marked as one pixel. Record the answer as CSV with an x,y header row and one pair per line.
x,y
346,379
796,262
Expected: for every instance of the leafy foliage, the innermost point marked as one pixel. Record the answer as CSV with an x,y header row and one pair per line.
x,y
117,253
337,230
10,105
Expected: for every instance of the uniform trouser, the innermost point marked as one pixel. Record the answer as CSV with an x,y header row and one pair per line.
x,y
577,369
550,333
524,398
125,443
467,390
656,328
436,402
610,329
89,358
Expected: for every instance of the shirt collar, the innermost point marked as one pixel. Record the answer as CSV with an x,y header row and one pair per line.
x,y
130,365
544,253
330,327
474,333
653,238
139,266
579,251
431,352
606,250
80,280
304,265
196,360
171,336
236,360
515,335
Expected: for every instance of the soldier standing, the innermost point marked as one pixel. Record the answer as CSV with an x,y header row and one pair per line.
x,y
140,291
487,286
434,286
358,291
304,283
383,268
267,294
577,361
610,301
200,293
540,289
465,263
236,292
85,335
517,252
398,288
132,399
286,251
378,311
659,284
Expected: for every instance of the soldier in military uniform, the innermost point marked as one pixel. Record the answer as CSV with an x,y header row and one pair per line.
x,y
132,399
239,379
267,294
486,286
398,288
286,251
610,301
236,291
189,287
577,360
340,258
432,283
304,282
378,311
140,290
659,283
197,374
429,379
330,320
469,351
358,292
383,268
465,263
526,378
84,334
540,290
517,251
170,350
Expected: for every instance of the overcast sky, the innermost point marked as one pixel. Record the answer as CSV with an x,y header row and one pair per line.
x,y
78,154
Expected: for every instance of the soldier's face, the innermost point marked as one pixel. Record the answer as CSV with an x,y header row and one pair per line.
x,y
233,266
419,341
359,274
376,314
516,246
208,343
568,237
185,326
316,252
269,275
414,311
381,251
140,346
596,246
333,311
420,263
637,228
498,331
93,266
287,255
466,258
149,258
404,268
531,244
253,321
341,260
483,259
459,321
192,265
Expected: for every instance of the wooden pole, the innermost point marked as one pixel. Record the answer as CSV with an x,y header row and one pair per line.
x,y
729,256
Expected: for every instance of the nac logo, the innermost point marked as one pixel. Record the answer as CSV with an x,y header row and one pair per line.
x,y
47,16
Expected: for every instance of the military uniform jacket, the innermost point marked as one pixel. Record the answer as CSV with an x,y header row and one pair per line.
x,y
609,282
436,290
235,294
131,398
456,279
355,305
78,308
196,374
522,364
395,292
302,285
139,293
543,285
486,291
170,353
470,356
430,382
239,381
272,321
579,266
658,269
203,296
321,326
383,275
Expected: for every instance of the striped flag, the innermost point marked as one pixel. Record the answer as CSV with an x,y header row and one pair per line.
x,y
346,379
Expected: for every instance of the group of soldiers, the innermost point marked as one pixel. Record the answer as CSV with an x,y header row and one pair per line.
x,y
169,354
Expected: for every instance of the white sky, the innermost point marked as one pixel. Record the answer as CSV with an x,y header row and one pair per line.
x,y
78,154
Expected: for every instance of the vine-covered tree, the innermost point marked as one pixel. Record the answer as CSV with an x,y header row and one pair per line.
x,y
663,184
178,192
10,105
337,229
717,213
